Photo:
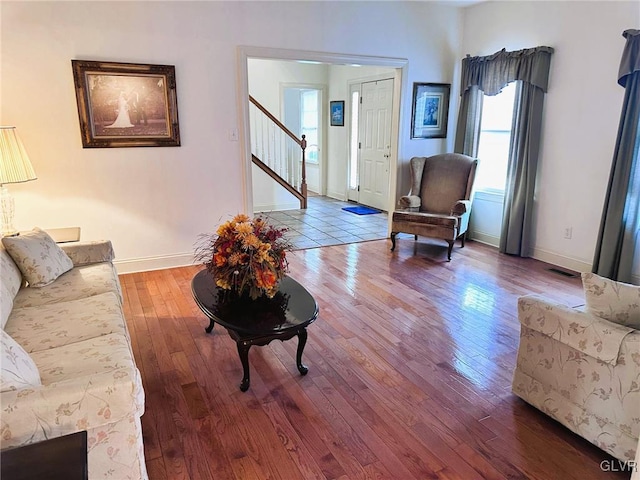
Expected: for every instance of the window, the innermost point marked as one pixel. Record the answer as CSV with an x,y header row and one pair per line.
x,y
309,122
495,137
353,165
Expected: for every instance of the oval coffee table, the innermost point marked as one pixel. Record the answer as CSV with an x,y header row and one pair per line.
x,y
257,322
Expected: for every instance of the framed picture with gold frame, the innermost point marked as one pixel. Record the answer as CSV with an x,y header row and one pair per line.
x,y
126,104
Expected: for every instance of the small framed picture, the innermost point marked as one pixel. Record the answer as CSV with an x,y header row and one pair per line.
x,y
126,104
430,110
337,113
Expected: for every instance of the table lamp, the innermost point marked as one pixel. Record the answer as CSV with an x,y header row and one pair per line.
x,y
15,167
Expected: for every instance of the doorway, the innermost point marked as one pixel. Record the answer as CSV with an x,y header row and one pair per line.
x,y
370,142
340,70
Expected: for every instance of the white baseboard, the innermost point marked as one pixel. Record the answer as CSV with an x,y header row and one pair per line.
x,y
153,263
570,263
485,238
546,256
337,195
276,207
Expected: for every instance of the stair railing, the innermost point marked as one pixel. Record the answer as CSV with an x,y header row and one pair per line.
x,y
277,151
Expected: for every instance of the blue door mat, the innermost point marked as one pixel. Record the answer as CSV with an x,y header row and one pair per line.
x,y
360,210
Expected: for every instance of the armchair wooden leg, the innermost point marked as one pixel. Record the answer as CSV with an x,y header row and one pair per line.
x,y
450,242
415,237
393,240
463,238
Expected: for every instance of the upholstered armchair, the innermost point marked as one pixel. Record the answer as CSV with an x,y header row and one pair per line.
x,y
581,366
439,204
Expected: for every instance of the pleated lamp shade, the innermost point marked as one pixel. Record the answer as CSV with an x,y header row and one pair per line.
x,y
15,166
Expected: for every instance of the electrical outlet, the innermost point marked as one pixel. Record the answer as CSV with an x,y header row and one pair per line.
x,y
233,135
568,232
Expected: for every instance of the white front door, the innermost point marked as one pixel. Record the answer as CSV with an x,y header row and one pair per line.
x,y
375,143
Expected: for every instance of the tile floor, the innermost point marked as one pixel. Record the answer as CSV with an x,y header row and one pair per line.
x,y
324,223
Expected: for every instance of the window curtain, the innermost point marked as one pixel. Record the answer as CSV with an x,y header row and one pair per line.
x,y
620,224
468,131
488,75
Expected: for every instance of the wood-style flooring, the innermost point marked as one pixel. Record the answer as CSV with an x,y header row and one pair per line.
x,y
410,365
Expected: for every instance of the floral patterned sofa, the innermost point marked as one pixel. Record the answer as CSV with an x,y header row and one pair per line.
x,y
67,363
582,366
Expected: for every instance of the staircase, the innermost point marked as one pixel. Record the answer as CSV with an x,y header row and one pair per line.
x,y
277,151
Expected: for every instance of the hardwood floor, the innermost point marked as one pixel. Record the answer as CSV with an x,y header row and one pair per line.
x,y
410,365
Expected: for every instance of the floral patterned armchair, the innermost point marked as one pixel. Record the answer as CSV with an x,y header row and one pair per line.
x,y
582,367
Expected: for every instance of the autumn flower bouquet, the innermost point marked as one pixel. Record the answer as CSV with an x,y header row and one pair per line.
x,y
246,256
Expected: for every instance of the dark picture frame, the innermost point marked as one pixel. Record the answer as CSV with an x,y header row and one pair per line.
x,y
126,104
336,111
430,110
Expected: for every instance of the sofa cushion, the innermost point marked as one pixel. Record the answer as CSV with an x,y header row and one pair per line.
x,y
10,282
425,218
614,301
86,385
85,253
80,282
38,257
84,359
18,368
50,326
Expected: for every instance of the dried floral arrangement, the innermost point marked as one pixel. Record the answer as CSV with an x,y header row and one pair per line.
x,y
246,256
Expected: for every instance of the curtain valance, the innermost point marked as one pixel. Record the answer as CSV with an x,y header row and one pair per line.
x,y
630,56
492,72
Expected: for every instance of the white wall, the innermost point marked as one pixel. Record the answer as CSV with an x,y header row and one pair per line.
x,y
154,202
267,77
582,109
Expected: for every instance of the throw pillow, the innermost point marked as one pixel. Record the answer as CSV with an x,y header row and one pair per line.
x,y
38,256
614,301
10,282
18,369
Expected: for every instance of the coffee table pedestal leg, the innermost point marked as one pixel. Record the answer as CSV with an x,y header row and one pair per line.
x,y
244,343
243,351
210,327
302,341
